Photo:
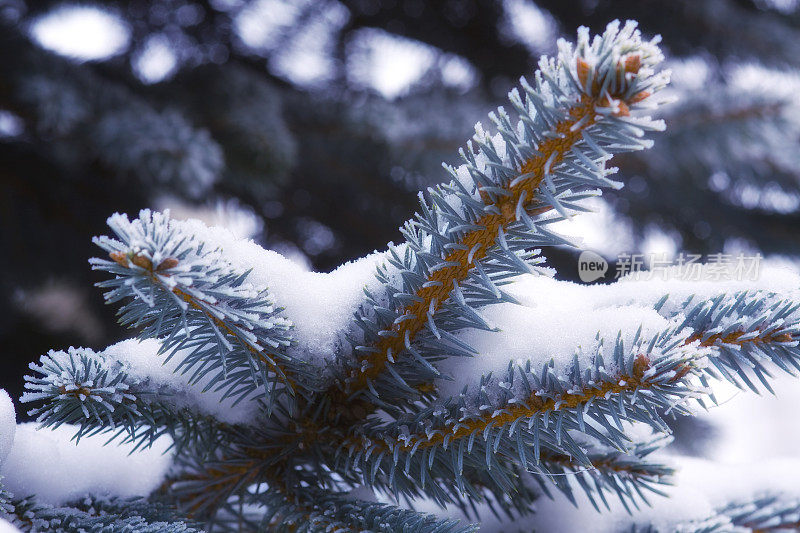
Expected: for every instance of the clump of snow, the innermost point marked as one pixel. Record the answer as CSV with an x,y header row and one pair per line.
x,y
320,305
47,463
691,73
7,425
749,427
141,360
84,32
553,328
7,527
701,488
659,244
239,219
529,24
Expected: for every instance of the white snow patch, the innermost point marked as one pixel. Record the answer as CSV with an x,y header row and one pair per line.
x,y
529,24
660,245
392,64
142,360
47,463
82,32
156,61
7,425
8,527
389,63
750,427
691,73
320,305
239,219
11,125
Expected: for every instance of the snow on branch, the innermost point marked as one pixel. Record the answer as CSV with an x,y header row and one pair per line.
x,y
98,515
124,390
538,405
318,511
527,412
467,375
49,464
182,290
748,330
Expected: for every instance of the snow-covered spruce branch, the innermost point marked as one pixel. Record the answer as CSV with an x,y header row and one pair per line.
x,y
746,330
479,229
178,288
527,410
739,332
101,515
390,456
529,417
476,232
97,393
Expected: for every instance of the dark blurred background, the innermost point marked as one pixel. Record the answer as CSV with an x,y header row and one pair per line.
x,y
309,126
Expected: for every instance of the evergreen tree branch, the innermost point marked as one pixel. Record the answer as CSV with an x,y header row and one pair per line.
x,y
746,331
628,475
400,461
739,332
98,394
477,231
556,423
471,448
734,334
526,412
182,291
98,516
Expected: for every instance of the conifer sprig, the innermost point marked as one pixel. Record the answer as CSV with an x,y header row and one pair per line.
x,y
749,331
183,291
98,515
482,227
98,394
